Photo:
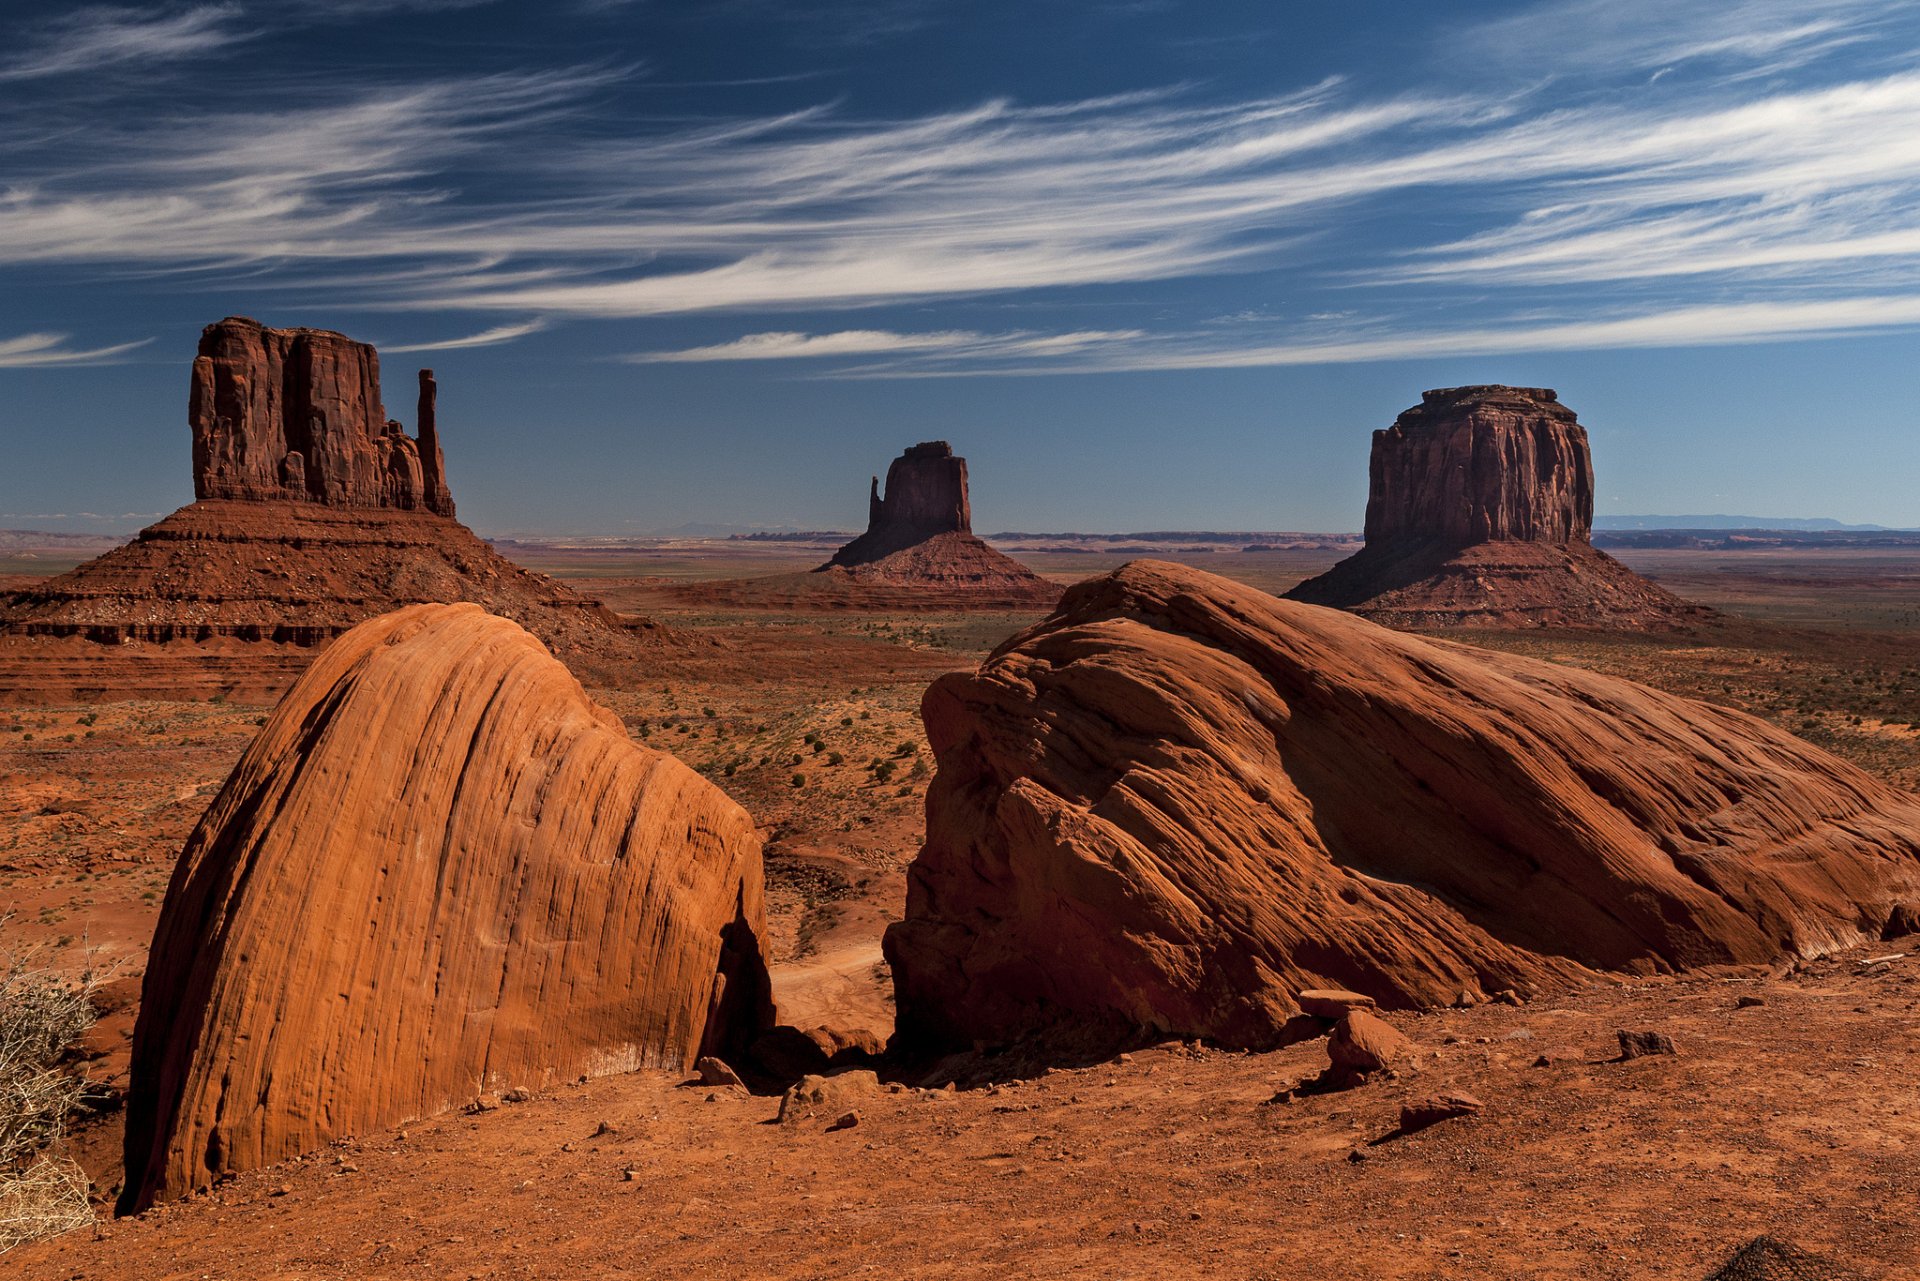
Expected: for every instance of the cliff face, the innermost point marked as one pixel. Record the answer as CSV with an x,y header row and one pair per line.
x,y
439,870
1481,464
1479,512
1179,801
296,414
925,497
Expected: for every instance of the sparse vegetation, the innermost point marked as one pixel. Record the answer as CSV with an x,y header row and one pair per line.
x,y
42,1192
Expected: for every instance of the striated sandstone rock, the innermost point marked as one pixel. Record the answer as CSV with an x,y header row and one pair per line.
x,y
1179,801
1480,512
1479,465
295,414
439,871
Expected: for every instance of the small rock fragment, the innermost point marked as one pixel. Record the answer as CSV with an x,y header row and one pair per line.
x,y
1332,1003
1748,1002
518,1094
845,1121
1638,1045
1362,1044
1435,1108
715,1072
815,1094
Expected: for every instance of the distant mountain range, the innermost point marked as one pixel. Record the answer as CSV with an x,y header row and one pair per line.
x,y
1730,522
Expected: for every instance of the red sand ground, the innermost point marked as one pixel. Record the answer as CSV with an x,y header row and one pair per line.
x,y
1796,1117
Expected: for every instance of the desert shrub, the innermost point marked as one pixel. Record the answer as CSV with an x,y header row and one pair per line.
x,y
41,1017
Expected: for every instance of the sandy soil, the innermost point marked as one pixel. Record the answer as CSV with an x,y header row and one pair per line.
x,y
1797,1116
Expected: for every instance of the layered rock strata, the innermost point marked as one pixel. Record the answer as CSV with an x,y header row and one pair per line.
x,y
1480,512
439,870
1178,801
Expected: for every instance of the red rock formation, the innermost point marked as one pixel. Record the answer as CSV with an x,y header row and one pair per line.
x,y
920,539
314,515
439,870
296,414
1479,511
1178,801
926,496
297,573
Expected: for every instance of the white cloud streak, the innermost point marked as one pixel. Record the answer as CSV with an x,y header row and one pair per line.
x,y
34,351
93,38
783,345
485,338
1800,204
1751,37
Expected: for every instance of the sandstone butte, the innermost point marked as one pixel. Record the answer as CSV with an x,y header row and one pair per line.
x,y
919,553
1178,801
440,869
314,512
1480,513
920,536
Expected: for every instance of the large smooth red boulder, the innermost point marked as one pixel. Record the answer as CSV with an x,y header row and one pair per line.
x,y
1179,801
439,870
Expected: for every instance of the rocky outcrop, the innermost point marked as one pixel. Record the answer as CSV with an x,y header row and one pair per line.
x,y
1179,801
439,870
1479,512
295,414
920,539
1478,465
314,515
926,496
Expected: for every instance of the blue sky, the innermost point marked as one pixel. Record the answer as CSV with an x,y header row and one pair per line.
x,y
1147,263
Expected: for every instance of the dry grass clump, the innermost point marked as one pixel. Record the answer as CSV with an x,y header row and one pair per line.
x,y
41,1016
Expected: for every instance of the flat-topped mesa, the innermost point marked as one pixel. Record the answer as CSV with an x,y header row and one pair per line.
x,y
926,496
1481,464
295,414
1480,513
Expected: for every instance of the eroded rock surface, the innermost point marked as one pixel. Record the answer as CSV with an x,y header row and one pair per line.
x,y
314,514
1480,512
296,414
440,870
1178,801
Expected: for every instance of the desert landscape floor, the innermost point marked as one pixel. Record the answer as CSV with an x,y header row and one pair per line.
x,y
1795,1116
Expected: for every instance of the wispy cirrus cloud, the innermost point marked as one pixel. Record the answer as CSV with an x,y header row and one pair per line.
x,y
1615,36
529,194
96,37
786,345
485,338
33,351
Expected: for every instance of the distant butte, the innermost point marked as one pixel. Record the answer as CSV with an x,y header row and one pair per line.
x,y
1480,513
919,553
920,535
314,512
